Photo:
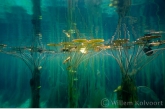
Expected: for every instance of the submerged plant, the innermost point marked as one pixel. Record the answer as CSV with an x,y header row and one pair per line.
x,y
76,52
131,58
130,55
32,55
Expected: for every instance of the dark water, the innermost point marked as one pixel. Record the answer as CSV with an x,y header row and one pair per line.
x,y
98,74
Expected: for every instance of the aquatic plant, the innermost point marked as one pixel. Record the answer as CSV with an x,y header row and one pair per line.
x,y
32,55
131,55
131,58
76,49
76,52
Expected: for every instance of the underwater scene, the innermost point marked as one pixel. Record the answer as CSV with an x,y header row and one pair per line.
x,y
82,54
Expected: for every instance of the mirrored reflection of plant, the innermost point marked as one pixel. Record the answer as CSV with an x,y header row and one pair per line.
x,y
34,58
33,55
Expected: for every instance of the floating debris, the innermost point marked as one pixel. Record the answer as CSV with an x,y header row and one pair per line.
x,y
66,33
69,32
40,67
119,88
83,50
113,3
66,60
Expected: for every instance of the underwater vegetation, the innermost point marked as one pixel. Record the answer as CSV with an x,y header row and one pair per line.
x,y
77,51
131,58
82,53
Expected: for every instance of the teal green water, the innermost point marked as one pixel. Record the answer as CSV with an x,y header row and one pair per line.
x,y
97,74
